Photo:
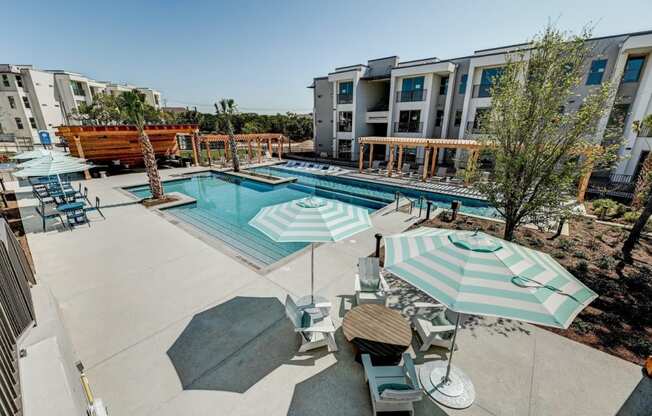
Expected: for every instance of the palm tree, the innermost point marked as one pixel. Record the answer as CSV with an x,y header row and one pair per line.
x,y
134,109
225,111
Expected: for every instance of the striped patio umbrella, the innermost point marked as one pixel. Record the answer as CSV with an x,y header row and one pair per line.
x,y
311,220
51,166
45,159
35,154
474,273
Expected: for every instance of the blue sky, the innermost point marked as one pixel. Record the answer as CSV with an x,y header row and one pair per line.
x,y
264,53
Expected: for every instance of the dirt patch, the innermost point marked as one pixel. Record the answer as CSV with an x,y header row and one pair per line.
x,y
151,202
619,321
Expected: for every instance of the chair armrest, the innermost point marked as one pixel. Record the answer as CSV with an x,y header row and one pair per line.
x,y
356,285
324,305
442,328
317,328
410,370
384,286
370,376
428,305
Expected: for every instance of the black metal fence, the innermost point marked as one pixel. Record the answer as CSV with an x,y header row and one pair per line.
x,y
16,315
605,184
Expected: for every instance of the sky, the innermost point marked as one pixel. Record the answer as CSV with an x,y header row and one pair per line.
x,y
264,54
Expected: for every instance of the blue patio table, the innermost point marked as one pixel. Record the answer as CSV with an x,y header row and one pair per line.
x,y
71,206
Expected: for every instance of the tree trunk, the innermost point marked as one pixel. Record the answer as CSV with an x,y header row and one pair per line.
x,y
638,228
234,152
149,158
510,227
289,145
642,182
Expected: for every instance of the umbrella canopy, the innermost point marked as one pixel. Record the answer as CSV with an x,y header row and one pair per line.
x,y
311,220
475,273
52,166
36,153
44,159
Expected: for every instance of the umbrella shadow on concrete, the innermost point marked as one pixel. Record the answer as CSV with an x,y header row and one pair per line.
x,y
639,401
232,346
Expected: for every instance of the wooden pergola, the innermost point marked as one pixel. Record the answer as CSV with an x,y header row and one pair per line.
x,y
430,146
259,139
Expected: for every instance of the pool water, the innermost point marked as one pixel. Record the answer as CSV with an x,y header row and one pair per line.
x,y
225,204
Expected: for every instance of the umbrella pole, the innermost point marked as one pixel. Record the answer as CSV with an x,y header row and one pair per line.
x,y
450,357
312,273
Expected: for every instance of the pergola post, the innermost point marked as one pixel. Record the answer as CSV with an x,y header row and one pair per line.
x,y
399,165
371,155
269,146
259,150
80,152
280,146
435,155
425,163
361,157
227,151
208,152
390,165
249,150
195,153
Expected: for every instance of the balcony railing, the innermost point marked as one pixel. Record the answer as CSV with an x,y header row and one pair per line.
x,y
481,90
408,127
474,127
645,132
410,96
344,98
344,127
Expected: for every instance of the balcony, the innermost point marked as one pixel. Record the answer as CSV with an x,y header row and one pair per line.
x,y
7,137
344,127
408,127
645,132
344,98
481,91
377,116
410,96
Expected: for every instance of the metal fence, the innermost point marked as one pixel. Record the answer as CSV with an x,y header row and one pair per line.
x,y
16,315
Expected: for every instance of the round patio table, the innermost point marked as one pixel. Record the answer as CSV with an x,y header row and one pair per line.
x,y
376,330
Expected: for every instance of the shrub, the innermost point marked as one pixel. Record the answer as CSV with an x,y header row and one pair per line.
x,y
579,254
631,216
605,207
582,327
582,266
639,344
565,244
606,263
558,254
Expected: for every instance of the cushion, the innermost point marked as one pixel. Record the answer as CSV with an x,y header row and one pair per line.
x,y
306,320
393,386
369,284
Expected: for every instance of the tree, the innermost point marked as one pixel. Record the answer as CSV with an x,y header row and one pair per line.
x,y
225,110
641,195
105,109
535,143
134,110
251,127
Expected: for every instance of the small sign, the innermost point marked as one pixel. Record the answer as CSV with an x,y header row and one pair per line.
x,y
45,138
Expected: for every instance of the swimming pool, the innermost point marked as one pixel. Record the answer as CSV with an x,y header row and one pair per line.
x,y
225,204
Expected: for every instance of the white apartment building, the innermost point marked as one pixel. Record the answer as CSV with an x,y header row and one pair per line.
x,y
434,98
33,100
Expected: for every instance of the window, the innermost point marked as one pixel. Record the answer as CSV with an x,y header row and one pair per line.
x,y
458,118
439,117
26,102
487,79
443,86
19,81
633,68
12,102
345,121
596,72
411,84
411,90
345,93
32,122
462,88
19,123
5,80
156,99
77,88
409,122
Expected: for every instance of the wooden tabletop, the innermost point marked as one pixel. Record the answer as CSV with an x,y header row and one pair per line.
x,y
377,323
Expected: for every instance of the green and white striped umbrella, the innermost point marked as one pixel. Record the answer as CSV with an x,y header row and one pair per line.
x,y
311,220
475,273
35,154
51,166
45,159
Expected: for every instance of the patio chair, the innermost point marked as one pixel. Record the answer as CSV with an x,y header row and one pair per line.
x,y
370,285
316,332
290,164
419,173
405,170
375,166
392,388
433,325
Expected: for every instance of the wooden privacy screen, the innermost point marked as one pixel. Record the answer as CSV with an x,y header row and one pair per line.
x,y
103,144
16,315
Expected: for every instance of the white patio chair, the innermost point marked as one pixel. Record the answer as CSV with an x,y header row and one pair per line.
x,y
400,385
370,285
405,170
375,166
314,333
433,325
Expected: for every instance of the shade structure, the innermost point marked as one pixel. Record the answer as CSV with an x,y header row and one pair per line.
x,y
44,159
51,166
471,272
311,220
34,154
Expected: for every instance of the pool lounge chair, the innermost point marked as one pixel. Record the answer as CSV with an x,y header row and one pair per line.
x,y
313,333
290,164
433,324
370,286
405,170
375,166
392,388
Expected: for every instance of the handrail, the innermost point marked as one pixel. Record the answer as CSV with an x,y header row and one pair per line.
x,y
397,197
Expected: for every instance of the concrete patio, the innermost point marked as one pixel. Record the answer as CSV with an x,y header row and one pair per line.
x,y
167,324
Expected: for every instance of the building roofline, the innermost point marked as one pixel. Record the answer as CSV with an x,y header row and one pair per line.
x,y
380,59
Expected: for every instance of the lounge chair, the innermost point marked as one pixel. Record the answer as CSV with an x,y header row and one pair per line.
x,y
315,332
370,285
432,323
375,166
419,173
290,164
405,170
392,388
332,170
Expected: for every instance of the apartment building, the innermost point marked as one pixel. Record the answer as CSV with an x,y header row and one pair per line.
x,y
33,100
28,104
443,98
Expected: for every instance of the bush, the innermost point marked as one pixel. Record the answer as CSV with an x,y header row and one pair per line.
x,y
565,244
582,327
606,263
605,207
639,344
631,216
582,266
579,254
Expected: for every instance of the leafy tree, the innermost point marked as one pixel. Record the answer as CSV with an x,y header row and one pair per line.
x,y
645,175
251,127
134,110
105,109
225,110
534,142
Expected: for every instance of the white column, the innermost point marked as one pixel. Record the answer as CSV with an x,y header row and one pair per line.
x,y
449,102
467,100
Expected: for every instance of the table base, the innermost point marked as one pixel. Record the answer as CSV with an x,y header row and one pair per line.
x,y
457,393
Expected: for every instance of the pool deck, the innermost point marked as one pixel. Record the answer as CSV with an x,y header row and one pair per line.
x,y
166,324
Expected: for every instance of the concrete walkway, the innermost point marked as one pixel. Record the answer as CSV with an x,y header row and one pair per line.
x,y
168,325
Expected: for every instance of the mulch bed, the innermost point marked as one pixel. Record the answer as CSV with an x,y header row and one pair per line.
x,y
150,202
619,321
